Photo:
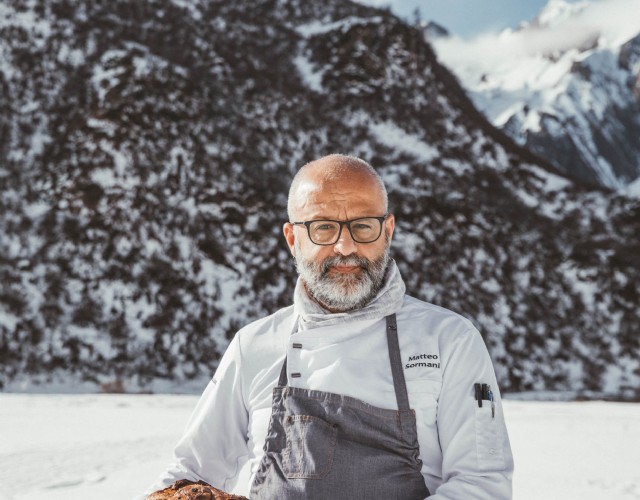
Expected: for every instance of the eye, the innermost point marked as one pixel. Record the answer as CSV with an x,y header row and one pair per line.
x,y
324,226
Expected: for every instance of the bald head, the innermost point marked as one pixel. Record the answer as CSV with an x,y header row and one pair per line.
x,y
332,170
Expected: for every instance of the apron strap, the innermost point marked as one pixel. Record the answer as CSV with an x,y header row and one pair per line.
x,y
399,383
282,381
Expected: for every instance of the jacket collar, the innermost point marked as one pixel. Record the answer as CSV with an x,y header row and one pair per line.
x,y
388,301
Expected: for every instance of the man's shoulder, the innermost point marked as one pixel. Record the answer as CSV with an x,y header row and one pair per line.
x,y
280,321
433,329
433,317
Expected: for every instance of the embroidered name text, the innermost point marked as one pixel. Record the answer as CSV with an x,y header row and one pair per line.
x,y
433,361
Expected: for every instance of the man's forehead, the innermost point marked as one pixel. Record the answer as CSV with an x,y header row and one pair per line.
x,y
326,196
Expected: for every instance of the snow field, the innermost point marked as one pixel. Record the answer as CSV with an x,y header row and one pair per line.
x,y
55,447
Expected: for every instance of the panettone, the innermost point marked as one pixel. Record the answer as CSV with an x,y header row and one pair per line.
x,y
188,490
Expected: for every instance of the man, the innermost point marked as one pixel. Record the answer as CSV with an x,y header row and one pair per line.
x,y
357,391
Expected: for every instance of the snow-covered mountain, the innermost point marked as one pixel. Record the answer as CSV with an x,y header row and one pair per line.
x,y
145,154
566,86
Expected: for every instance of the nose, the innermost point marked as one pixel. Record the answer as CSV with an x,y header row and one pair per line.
x,y
345,244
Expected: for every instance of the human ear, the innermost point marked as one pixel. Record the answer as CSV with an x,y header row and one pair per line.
x,y
389,226
290,237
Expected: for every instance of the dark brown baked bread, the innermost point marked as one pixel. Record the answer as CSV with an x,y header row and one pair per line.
x,y
188,490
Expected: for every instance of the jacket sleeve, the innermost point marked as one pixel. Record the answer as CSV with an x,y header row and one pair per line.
x,y
213,447
476,456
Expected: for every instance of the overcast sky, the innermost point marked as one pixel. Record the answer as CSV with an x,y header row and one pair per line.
x,y
609,22
467,18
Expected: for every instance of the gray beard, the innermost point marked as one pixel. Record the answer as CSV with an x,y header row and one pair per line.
x,y
343,292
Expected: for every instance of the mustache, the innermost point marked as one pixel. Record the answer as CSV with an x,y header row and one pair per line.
x,y
339,260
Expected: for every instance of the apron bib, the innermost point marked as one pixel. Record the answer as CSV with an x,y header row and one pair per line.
x,y
322,445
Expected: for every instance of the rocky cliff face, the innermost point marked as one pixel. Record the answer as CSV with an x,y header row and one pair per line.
x,y
564,86
594,129
146,152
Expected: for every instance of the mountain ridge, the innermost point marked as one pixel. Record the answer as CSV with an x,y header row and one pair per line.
x,y
560,86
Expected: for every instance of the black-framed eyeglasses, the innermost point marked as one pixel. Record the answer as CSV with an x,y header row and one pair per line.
x,y
327,232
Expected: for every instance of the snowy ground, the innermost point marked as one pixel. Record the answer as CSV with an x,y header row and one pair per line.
x,y
112,446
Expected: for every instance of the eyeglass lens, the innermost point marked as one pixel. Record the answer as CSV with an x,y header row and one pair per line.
x,y
326,232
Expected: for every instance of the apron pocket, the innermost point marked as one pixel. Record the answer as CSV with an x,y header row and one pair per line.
x,y
310,446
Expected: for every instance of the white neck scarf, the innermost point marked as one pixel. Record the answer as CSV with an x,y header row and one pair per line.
x,y
387,301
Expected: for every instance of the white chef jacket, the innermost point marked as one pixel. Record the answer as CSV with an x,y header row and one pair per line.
x,y
464,448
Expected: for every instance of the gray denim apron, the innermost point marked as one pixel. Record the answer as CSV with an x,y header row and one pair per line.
x,y
325,446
